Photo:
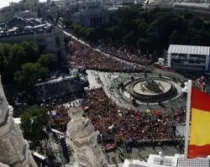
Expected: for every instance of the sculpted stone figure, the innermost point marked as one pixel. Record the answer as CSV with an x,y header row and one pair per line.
x,y
14,150
3,165
83,140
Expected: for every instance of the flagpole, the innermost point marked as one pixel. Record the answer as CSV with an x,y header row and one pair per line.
x,y
187,123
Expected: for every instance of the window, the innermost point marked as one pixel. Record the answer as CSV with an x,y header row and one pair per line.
x,y
200,57
197,61
194,56
40,41
182,56
57,40
177,61
174,54
91,22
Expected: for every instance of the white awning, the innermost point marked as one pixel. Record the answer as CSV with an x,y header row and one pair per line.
x,y
189,49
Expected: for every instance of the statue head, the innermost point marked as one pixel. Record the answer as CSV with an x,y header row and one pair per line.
x,y
75,112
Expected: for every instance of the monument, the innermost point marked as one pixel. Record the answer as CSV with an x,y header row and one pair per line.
x,y
152,89
14,150
153,86
83,139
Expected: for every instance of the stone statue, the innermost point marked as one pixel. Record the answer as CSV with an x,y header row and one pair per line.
x,y
153,86
14,150
83,139
3,165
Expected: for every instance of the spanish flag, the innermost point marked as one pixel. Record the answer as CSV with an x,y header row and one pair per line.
x,y
199,145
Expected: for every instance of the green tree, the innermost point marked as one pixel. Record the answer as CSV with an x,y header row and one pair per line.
x,y
196,23
3,60
46,60
32,51
29,74
33,122
176,38
191,36
143,45
115,32
15,58
12,56
142,28
151,30
4,54
130,38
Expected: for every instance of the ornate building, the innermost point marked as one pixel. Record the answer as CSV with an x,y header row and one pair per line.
x,y
83,139
14,150
89,13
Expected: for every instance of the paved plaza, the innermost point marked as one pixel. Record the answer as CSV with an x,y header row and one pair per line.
x,y
141,153
110,82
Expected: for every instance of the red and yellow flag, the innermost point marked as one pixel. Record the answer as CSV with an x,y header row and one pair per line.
x,y
199,145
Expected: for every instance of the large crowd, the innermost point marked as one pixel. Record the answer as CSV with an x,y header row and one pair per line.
x,y
124,52
125,124
81,55
130,124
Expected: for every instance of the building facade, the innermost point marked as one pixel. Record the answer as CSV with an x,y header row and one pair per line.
x,y
83,140
151,4
201,8
14,150
189,58
7,13
89,13
48,37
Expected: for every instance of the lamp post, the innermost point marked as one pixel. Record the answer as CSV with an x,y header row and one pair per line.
x,y
101,136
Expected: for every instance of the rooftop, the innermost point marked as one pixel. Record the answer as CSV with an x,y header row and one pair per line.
x,y
190,4
20,26
167,161
189,49
56,80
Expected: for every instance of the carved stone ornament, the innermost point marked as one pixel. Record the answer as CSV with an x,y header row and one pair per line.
x,y
83,139
11,139
3,165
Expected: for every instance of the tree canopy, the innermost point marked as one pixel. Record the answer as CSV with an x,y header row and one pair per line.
x,y
15,57
30,73
22,65
151,30
33,122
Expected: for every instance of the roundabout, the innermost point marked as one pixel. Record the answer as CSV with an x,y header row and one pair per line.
x,y
151,90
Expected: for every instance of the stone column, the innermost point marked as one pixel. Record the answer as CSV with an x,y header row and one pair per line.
x,y
14,150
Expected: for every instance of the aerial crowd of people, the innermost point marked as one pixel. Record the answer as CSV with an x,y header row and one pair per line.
x,y
124,52
110,120
126,124
81,55
129,124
